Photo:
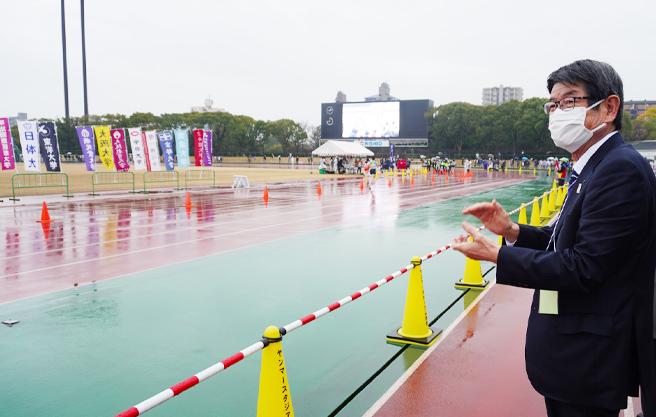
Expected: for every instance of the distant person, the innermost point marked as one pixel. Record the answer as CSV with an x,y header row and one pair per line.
x,y
590,344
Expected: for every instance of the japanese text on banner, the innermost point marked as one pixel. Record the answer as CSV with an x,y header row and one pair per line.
x,y
138,149
28,134
182,147
104,146
198,147
119,150
6,146
49,146
166,143
153,152
87,144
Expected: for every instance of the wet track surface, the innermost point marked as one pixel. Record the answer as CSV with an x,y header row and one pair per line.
x,y
98,239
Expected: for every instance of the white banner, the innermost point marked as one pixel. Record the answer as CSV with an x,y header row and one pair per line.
x,y
137,146
29,140
153,150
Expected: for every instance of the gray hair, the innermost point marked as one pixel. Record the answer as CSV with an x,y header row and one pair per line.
x,y
599,79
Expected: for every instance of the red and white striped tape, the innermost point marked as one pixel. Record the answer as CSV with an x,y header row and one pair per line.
x,y
184,385
337,304
201,376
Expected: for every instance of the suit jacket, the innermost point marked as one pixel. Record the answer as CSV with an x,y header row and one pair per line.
x,y
600,346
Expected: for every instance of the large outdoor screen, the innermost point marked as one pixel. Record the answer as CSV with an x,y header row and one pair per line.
x,y
371,120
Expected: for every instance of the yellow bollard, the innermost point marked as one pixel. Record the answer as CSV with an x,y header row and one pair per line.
x,y
535,171
552,201
544,207
520,170
473,278
560,197
535,213
414,329
522,219
549,172
274,398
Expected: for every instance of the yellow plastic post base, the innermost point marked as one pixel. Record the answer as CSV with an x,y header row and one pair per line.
x,y
395,338
274,397
461,285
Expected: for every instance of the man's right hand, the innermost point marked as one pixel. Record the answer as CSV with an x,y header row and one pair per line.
x,y
495,219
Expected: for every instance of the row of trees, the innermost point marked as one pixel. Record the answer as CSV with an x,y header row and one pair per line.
x,y
457,128
232,134
511,128
642,127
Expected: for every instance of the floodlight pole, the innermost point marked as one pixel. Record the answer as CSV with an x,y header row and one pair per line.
x,y
84,63
63,22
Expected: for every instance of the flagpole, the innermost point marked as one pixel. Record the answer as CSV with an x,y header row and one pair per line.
x,y
84,64
63,22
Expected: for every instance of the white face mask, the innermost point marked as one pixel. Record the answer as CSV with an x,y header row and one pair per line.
x,y
568,129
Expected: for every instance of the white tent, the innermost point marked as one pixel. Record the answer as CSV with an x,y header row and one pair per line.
x,y
341,148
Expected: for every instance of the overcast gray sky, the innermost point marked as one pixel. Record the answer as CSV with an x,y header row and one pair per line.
x,y
275,59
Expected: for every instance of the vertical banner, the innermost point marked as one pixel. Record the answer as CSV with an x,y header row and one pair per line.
x,y
29,139
198,147
153,152
49,146
166,143
88,146
119,149
182,147
6,146
138,149
104,146
207,148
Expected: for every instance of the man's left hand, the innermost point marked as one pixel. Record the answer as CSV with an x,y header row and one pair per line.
x,y
476,246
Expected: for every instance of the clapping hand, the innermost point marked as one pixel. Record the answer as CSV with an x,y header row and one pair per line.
x,y
476,246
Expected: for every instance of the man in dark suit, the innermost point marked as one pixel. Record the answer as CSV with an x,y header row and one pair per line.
x,y
590,341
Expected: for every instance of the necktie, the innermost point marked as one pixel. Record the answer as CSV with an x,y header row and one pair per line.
x,y
573,177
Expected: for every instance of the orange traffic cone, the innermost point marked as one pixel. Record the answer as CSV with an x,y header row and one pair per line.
x,y
265,196
45,226
412,180
319,189
188,200
45,216
362,185
389,183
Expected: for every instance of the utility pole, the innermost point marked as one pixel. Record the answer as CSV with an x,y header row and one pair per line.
x,y
63,21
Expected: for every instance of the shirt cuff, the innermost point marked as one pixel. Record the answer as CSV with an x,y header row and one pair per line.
x,y
509,243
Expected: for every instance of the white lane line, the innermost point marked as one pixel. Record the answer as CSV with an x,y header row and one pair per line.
x,y
216,224
411,370
195,240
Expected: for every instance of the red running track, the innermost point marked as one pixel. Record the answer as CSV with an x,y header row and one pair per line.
x,y
103,238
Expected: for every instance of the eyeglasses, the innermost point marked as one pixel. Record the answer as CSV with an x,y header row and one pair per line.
x,y
565,104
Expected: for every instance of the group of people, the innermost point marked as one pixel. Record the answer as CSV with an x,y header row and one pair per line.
x,y
363,166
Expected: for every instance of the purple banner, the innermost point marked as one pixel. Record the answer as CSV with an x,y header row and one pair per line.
x,y
166,143
119,149
6,146
207,148
88,146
